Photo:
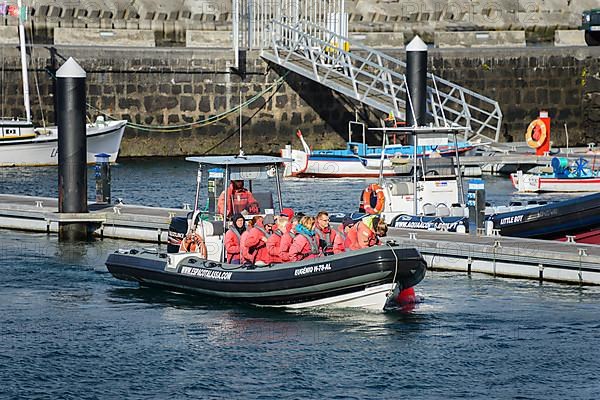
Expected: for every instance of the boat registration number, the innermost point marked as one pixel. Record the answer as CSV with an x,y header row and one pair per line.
x,y
312,269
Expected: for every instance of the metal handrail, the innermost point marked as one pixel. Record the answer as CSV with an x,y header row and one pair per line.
x,y
376,78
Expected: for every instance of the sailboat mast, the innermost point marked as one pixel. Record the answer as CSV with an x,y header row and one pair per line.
x,y
24,61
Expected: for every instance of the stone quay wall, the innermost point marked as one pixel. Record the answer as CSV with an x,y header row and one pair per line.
x,y
176,86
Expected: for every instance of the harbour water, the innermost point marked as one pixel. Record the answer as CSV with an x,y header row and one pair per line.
x,y
70,330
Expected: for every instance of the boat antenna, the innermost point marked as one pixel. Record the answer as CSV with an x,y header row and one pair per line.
x,y
22,16
241,149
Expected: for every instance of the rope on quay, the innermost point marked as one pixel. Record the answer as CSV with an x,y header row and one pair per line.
x,y
199,123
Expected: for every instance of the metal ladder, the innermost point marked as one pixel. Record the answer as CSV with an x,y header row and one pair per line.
x,y
374,78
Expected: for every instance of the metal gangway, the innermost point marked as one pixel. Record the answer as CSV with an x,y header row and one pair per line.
x,y
310,38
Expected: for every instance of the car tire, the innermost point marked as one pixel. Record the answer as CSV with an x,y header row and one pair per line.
x,y
592,38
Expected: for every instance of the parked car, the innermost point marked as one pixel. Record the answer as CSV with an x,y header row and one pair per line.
x,y
590,23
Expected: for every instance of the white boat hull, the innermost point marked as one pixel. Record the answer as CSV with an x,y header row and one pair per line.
x,y
303,165
371,298
529,183
43,149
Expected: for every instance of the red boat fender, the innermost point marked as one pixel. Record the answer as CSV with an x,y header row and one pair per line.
x,y
407,296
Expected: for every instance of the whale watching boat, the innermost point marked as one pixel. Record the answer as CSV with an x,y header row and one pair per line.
x,y
22,144
369,278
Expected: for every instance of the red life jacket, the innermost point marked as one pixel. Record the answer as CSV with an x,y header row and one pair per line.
x,y
233,244
304,247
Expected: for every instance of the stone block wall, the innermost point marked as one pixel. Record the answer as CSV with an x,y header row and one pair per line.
x,y
565,82
177,86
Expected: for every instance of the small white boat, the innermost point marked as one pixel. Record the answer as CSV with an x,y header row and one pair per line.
x,y
562,178
23,145
358,160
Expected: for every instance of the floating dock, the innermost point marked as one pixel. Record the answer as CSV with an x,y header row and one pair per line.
x,y
496,255
543,260
120,221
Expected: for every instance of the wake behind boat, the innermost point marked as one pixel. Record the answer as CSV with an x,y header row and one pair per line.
x,y
23,145
360,278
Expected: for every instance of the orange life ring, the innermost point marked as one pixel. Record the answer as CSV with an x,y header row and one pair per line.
x,y
193,244
536,133
369,191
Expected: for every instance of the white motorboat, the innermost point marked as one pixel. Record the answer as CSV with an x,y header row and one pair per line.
x,y
368,278
21,144
562,177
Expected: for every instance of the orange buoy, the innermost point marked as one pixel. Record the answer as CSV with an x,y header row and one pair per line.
x,y
536,133
373,189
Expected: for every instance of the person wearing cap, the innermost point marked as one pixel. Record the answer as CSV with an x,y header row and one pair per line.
x,y
288,238
305,245
341,234
233,238
287,212
255,245
366,233
274,241
324,232
238,199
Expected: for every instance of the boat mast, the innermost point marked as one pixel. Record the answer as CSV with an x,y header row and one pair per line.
x,y
22,16
241,150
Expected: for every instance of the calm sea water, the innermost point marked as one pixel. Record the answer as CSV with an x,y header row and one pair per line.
x,y
69,330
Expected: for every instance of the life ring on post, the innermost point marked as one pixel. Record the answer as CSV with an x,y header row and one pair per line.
x,y
193,243
373,189
536,133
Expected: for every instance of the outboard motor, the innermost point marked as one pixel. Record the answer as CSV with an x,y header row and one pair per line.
x,y
177,231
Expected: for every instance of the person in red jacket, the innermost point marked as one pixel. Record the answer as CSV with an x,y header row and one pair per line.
x,y
324,232
243,236
274,241
341,234
305,245
366,233
238,199
233,238
254,247
288,238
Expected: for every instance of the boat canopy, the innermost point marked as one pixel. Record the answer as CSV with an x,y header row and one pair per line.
x,y
246,161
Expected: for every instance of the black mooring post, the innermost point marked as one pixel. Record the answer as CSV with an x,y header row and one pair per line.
x,y
72,148
416,82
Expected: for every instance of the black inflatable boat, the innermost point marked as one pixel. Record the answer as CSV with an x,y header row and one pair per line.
x,y
362,278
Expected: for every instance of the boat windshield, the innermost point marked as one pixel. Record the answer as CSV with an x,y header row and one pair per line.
x,y
237,175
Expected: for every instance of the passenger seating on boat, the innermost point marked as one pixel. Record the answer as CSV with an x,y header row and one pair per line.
x,y
429,209
442,210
